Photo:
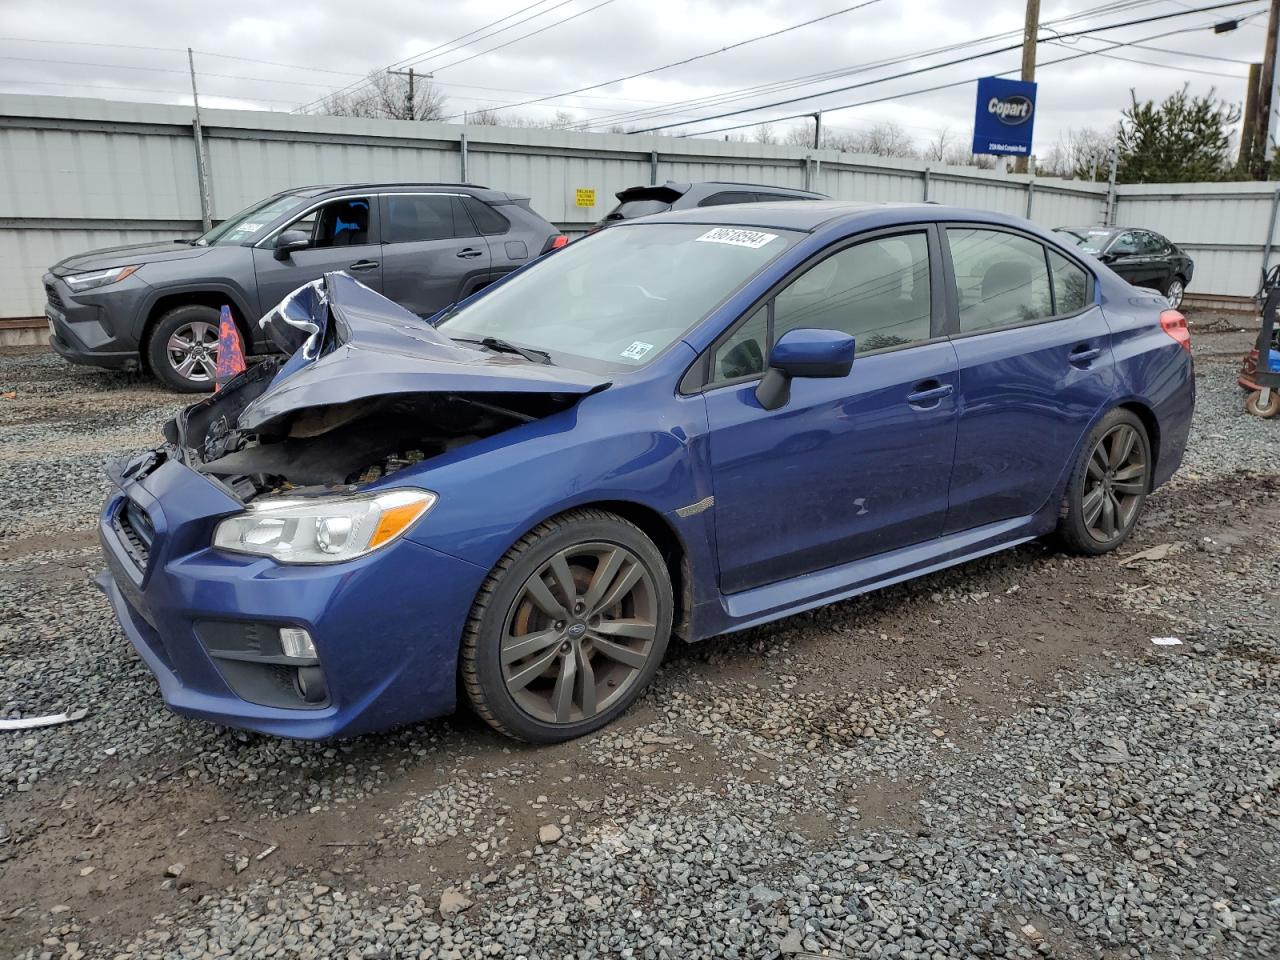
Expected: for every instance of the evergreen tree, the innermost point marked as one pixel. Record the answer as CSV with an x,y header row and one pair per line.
x,y
1182,140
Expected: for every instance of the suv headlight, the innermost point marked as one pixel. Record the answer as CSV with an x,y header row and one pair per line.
x,y
322,529
99,278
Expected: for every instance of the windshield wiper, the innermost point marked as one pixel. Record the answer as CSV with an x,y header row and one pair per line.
x,y
498,345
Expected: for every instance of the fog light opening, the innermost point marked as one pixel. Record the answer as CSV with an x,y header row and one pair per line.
x,y
296,643
309,682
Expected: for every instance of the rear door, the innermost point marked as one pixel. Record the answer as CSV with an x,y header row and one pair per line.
x,y
432,253
1131,258
344,236
1035,370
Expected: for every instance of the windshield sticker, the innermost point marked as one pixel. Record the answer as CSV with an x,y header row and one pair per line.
x,y
637,350
753,239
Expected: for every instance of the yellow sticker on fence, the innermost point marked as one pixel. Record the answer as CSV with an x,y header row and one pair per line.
x,y
585,196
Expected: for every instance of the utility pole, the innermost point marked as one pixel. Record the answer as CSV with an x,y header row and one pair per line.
x,y
1249,154
409,112
201,170
817,130
1266,120
1030,34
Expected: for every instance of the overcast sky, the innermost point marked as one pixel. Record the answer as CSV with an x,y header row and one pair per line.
x,y
325,44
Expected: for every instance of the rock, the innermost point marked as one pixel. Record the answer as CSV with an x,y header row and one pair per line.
x,y
175,869
452,903
549,834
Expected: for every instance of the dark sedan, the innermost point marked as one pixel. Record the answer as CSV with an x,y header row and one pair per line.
x,y
1143,257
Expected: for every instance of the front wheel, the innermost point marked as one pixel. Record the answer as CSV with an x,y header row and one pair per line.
x,y
1108,487
568,628
183,348
1254,406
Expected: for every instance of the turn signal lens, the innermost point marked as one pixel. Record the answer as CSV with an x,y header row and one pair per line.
x,y
1175,325
395,521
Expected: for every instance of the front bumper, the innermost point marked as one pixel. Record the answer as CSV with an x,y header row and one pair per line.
x,y
96,327
386,627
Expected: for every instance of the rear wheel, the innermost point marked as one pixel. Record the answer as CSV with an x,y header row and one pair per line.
x,y
1174,291
1108,486
183,348
568,629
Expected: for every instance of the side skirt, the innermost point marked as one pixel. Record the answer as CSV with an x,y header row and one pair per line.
x,y
751,608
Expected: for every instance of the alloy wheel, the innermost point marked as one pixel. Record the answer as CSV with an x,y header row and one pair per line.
x,y
1174,293
1115,483
192,350
580,633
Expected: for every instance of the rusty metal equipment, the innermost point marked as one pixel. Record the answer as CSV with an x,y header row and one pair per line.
x,y
1260,368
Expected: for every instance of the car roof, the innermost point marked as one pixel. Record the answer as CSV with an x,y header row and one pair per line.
x,y
479,191
809,216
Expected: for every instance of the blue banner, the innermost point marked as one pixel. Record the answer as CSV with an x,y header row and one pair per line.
x,y
1005,115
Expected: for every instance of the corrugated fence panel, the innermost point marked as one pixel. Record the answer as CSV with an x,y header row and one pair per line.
x,y
85,173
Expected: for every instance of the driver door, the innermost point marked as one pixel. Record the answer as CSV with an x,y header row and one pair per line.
x,y
848,467
344,236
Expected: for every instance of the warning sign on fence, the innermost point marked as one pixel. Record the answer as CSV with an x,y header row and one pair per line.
x,y
585,196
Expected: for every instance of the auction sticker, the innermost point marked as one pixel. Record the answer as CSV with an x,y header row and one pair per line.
x,y
753,239
637,350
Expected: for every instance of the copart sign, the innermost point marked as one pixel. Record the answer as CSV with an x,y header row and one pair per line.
x,y
1005,115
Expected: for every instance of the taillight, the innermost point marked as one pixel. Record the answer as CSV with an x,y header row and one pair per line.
x,y
558,241
1175,325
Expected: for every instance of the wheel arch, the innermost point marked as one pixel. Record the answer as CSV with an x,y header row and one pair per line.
x,y
1150,423
204,297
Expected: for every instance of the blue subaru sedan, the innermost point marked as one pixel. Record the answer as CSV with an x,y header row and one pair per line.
x,y
678,427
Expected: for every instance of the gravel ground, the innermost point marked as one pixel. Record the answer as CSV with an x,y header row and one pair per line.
x,y
990,761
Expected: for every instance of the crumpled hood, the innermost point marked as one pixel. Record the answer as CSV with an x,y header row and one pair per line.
x,y
352,344
126,254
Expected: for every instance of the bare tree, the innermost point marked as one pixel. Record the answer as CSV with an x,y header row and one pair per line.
x,y
765,134
937,148
1083,154
487,117
883,139
385,96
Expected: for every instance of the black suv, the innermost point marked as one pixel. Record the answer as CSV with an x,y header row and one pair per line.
x,y
424,245
660,197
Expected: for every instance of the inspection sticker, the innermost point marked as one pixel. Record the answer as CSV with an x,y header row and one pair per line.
x,y
637,350
738,238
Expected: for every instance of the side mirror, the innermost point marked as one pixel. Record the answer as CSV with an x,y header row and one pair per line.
x,y
804,353
290,241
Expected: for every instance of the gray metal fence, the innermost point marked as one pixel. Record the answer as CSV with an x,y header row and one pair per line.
x,y
77,174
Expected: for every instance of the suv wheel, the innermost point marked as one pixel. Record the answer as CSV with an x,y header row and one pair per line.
x,y
568,629
1108,486
183,348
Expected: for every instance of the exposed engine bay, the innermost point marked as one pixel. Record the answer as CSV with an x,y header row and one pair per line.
x,y
340,446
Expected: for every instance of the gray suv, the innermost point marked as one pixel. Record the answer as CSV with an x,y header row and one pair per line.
x,y
156,305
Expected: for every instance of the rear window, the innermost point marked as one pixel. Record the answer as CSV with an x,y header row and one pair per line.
x,y
488,220
630,209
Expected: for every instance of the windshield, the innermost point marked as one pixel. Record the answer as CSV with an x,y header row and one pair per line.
x,y
246,224
620,296
1090,241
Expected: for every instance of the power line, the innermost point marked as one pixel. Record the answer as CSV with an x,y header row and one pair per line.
x,y
130,66
686,60
1153,63
22,81
417,58
949,63
1115,45
745,93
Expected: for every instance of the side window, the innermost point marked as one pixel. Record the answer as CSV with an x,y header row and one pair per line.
x,y
419,217
774,197
488,220
743,354
1152,243
1125,245
1072,286
343,223
1001,279
728,196
877,291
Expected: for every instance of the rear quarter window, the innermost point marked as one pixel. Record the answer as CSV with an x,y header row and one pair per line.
x,y
487,220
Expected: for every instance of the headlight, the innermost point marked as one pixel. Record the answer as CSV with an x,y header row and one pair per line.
x,y
322,529
99,278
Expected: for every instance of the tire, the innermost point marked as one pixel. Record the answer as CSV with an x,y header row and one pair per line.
x,y
1254,406
1174,290
518,658
185,325
1099,486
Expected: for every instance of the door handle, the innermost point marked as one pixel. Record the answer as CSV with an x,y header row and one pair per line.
x,y
470,253
1084,354
364,265
929,393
